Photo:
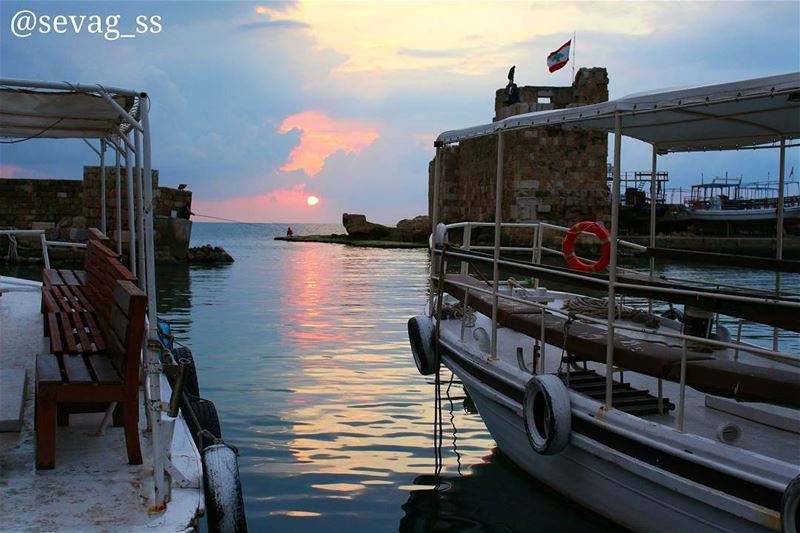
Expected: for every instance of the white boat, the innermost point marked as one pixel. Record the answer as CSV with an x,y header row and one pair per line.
x,y
729,200
654,423
149,477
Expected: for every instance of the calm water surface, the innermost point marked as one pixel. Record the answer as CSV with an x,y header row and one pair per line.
x,y
304,351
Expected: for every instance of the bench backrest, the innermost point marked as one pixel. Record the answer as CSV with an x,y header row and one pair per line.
x,y
103,269
125,331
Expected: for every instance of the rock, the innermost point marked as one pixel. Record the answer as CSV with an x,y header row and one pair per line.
x,y
208,254
78,234
358,227
415,229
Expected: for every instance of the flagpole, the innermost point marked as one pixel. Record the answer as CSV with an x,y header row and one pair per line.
x,y
573,56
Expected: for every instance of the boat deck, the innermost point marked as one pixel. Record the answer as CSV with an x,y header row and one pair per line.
x,y
701,420
92,488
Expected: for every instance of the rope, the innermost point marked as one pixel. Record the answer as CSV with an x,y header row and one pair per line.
x,y
225,219
456,311
48,128
598,307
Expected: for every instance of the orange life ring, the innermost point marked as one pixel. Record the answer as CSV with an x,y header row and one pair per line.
x,y
578,263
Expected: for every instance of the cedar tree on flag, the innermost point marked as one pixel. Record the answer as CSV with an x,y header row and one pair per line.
x,y
559,58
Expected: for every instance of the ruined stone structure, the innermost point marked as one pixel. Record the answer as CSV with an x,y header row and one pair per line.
x,y
65,208
550,174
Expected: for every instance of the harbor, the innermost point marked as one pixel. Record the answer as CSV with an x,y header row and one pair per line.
x,y
306,267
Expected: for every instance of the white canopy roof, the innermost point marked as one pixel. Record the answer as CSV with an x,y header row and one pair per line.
x,y
45,113
712,117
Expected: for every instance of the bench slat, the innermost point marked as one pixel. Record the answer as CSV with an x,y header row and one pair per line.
x,y
77,373
80,327
81,275
51,277
103,369
69,277
98,337
47,370
66,331
55,333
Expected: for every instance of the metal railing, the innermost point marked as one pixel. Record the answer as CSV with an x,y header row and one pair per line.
x,y
536,250
44,242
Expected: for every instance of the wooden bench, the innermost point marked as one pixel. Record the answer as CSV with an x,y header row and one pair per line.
x,y
90,369
94,296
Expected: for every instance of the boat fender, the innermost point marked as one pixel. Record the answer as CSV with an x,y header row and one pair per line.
x,y
790,507
190,386
438,237
722,334
421,335
223,489
480,335
203,416
578,263
547,414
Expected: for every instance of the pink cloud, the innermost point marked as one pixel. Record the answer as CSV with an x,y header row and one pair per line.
x,y
279,205
322,136
17,171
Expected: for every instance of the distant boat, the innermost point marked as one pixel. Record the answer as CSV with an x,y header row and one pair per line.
x,y
729,200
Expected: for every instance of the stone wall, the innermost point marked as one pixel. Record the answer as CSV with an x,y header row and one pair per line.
x,y
40,204
550,174
65,208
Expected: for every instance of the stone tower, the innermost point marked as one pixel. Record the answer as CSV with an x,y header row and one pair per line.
x,y
550,174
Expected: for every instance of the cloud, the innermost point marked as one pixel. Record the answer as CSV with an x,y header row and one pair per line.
x,y
18,171
322,136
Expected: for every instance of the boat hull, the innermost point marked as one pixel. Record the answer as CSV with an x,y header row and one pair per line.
x,y
611,484
742,215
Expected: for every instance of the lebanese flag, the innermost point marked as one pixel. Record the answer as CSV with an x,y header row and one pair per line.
x,y
559,58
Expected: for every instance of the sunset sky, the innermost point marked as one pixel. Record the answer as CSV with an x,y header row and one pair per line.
x,y
258,106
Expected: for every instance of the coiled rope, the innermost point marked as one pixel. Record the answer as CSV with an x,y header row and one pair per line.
x,y
598,308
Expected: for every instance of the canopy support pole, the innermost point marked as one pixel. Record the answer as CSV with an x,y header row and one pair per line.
x,y
653,205
103,185
779,229
131,230
154,367
612,267
117,166
437,170
137,180
498,220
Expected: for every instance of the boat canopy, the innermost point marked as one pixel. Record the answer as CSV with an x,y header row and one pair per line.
x,y
78,112
725,116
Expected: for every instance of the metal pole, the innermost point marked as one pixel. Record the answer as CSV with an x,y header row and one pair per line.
x,y
779,230
137,138
437,170
498,220
154,373
131,229
119,198
103,185
654,170
612,268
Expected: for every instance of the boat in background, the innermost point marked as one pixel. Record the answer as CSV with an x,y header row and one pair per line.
x,y
727,199
659,422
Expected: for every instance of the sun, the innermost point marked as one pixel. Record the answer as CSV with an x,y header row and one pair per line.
x,y
312,200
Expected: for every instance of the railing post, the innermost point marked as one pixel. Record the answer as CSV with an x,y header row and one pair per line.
x,y
612,268
131,228
466,246
654,171
682,391
498,221
45,253
779,235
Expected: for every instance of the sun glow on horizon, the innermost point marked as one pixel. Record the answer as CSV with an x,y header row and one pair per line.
x,y
312,200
